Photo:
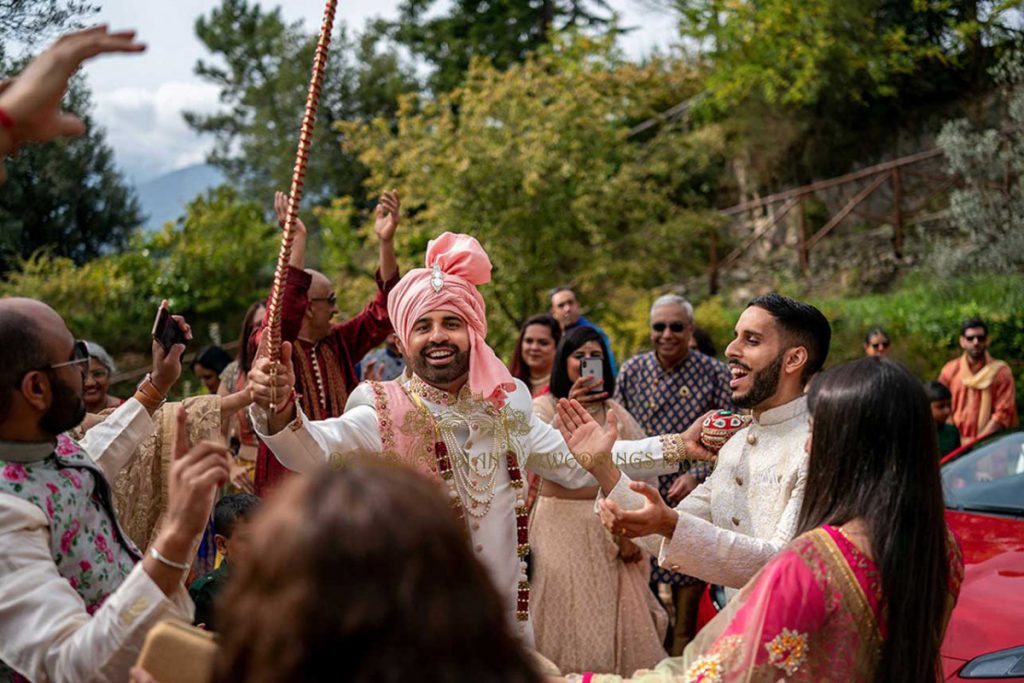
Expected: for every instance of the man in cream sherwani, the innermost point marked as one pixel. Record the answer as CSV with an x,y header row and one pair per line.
x,y
461,418
743,514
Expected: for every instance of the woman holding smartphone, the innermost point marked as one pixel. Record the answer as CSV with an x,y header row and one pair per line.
x,y
574,557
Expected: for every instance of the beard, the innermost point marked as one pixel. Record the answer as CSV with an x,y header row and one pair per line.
x,y
66,411
432,374
976,353
766,381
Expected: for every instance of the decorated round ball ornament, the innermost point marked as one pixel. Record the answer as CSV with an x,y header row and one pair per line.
x,y
719,427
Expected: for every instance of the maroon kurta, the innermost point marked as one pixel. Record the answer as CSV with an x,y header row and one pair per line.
x,y
325,372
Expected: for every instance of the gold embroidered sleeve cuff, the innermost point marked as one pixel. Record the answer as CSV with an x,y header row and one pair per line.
x,y
673,449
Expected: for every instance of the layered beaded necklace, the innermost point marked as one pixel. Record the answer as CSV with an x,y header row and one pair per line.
x,y
471,483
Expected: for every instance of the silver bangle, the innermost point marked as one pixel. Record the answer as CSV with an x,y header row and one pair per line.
x,y
170,563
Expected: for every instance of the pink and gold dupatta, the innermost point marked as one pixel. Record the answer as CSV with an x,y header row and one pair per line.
x,y
811,614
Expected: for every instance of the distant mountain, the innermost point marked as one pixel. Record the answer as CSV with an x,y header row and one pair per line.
x,y
164,198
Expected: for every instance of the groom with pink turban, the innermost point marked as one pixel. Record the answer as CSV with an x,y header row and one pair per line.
x,y
461,419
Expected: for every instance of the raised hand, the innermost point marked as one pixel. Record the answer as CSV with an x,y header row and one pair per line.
x,y
589,443
281,210
655,517
33,99
167,364
388,214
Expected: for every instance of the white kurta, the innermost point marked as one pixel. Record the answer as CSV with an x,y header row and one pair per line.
x,y
305,445
742,515
45,632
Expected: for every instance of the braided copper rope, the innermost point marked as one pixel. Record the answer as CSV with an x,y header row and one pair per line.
x,y
295,194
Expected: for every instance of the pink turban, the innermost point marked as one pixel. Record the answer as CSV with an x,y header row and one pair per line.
x,y
456,264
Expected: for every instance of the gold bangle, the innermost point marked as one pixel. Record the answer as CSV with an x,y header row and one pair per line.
x,y
146,401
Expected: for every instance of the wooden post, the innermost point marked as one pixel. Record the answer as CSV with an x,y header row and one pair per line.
x,y
897,195
804,264
713,260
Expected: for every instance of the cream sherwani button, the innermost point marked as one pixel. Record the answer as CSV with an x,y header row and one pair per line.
x,y
751,439
479,548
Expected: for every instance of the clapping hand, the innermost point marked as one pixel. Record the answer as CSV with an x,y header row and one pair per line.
x,y
589,443
388,214
655,517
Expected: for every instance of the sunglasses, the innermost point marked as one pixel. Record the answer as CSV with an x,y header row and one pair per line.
x,y
332,299
880,345
975,337
675,327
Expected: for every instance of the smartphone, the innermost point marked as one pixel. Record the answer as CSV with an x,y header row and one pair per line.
x,y
165,330
593,367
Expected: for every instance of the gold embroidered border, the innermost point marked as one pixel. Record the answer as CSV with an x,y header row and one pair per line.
x,y
855,599
673,449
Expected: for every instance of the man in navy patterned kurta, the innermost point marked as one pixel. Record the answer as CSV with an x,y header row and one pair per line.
x,y
667,390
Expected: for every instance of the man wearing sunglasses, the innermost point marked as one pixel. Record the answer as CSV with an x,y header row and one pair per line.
x,y
325,353
984,397
666,390
77,597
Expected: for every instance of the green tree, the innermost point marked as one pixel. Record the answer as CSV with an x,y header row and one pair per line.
x,y
40,19
210,266
262,66
797,53
988,210
536,165
503,31
67,196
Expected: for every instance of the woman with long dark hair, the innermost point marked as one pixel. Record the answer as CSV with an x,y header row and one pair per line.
x,y
362,574
534,355
232,379
865,591
575,559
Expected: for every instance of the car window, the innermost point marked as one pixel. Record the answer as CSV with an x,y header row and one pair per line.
x,y
988,477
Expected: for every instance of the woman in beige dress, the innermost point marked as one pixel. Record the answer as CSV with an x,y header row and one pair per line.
x,y
591,604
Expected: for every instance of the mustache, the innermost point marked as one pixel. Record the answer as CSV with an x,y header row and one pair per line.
x,y
741,366
434,347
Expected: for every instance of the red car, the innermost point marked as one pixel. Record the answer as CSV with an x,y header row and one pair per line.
x,y
984,489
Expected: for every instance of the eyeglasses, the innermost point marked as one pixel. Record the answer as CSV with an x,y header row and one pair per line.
x,y
332,299
879,345
675,327
975,337
99,375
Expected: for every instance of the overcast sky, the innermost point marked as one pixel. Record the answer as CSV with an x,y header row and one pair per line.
x,y
139,99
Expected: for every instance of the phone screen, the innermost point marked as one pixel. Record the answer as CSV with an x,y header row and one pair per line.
x,y
165,330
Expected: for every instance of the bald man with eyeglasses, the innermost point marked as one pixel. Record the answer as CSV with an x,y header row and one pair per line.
x,y
325,353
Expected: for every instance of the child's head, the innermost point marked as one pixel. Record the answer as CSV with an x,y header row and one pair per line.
x,y
941,400
231,525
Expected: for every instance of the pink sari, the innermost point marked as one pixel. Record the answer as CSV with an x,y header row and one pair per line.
x,y
811,614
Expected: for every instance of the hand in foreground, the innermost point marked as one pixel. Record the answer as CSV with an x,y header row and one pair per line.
x,y
192,483
681,488
140,675
589,443
281,209
167,364
373,372
33,100
582,387
655,517
388,214
262,388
